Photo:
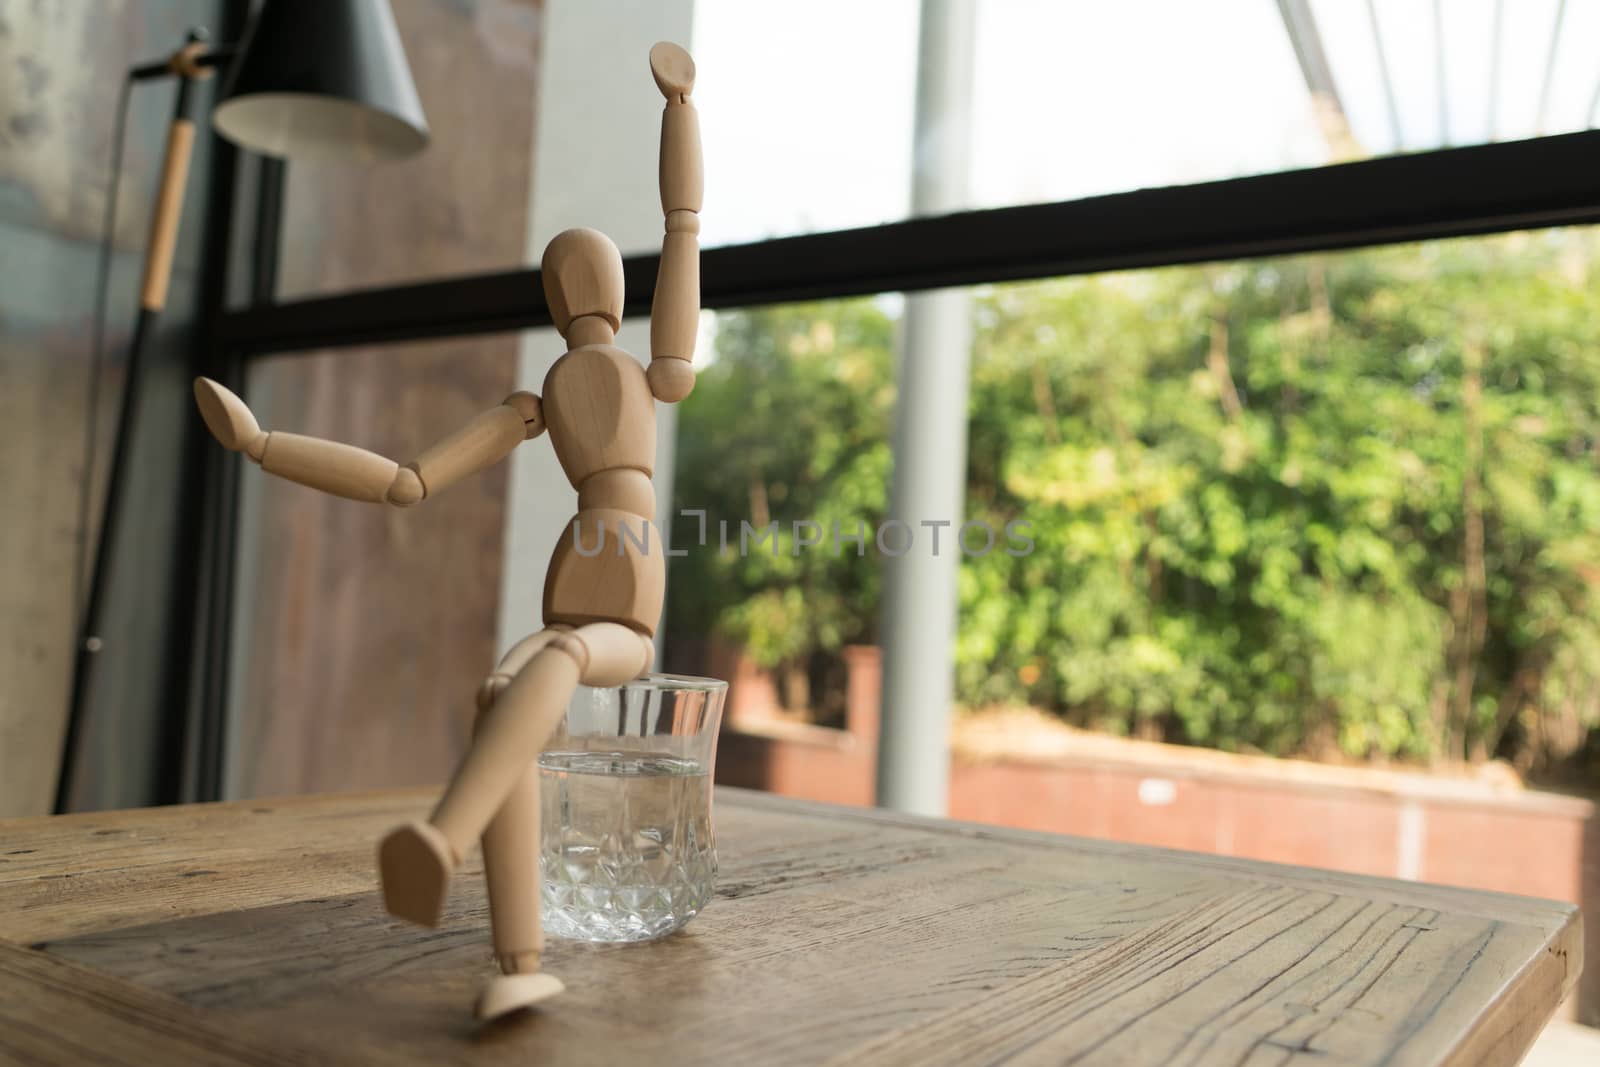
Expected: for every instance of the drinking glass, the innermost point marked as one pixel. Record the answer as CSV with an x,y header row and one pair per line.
x,y
627,851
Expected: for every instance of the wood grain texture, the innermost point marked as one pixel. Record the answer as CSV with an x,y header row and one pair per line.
x,y
329,466
582,274
682,162
675,308
608,565
599,411
484,441
836,935
55,1011
163,244
621,488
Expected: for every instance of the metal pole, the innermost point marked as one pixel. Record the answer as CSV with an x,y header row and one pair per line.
x,y
930,445
153,298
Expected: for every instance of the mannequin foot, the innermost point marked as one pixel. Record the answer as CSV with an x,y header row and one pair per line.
x,y
415,864
507,993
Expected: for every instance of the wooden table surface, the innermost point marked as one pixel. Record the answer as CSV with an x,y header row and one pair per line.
x,y
253,933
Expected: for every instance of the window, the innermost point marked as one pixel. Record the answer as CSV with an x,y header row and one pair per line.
x,y
1074,100
1244,485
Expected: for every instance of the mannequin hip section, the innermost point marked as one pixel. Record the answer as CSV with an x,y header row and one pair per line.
x,y
609,566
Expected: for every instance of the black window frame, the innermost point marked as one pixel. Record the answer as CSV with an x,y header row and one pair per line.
x,y
1451,192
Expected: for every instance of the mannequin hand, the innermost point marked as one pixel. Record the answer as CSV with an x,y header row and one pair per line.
x,y
229,420
672,69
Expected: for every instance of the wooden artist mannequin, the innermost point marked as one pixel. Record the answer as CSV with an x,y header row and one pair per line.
x,y
600,609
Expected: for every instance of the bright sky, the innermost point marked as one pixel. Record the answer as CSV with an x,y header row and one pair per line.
x,y
1079,97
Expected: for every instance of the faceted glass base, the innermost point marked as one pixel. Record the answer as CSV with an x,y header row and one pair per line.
x,y
626,849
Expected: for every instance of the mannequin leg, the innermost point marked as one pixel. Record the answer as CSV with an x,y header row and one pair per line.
x,y
415,861
511,869
495,794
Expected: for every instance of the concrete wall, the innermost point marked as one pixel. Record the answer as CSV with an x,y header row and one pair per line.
x,y
60,67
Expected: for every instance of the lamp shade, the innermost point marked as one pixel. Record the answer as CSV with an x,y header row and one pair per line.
x,y
323,79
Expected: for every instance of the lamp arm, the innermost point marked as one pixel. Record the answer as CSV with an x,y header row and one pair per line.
x,y
169,201
193,60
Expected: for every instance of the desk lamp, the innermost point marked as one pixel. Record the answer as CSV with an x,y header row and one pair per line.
x,y
321,80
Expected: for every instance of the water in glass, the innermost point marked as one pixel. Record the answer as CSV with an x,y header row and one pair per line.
x,y
627,852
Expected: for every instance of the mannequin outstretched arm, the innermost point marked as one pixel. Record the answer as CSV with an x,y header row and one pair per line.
x,y
357,474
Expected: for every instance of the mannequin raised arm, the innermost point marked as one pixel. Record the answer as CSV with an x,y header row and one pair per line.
x,y
357,474
675,311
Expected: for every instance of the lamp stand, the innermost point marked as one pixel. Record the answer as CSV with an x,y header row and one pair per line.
x,y
190,64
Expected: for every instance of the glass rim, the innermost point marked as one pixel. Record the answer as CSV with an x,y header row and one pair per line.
x,y
670,683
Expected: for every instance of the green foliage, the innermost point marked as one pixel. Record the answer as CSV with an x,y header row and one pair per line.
x,y
1288,505
791,423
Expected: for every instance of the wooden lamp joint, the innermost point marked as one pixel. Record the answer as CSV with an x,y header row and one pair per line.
x,y
186,62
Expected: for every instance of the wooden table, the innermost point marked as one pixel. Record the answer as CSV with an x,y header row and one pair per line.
x,y
252,933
